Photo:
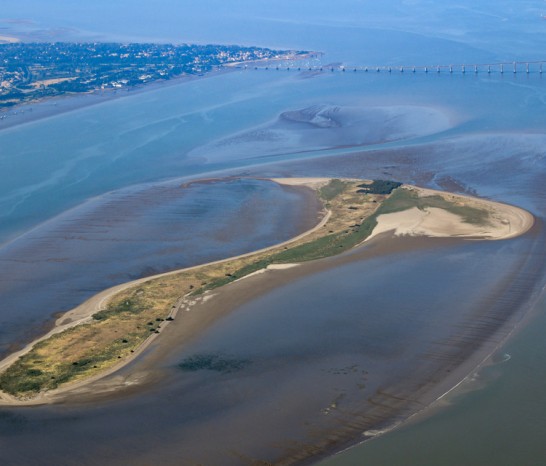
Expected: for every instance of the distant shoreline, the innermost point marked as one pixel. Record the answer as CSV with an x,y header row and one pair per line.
x,y
28,112
9,40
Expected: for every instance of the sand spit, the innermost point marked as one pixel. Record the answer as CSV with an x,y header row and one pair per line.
x,y
504,221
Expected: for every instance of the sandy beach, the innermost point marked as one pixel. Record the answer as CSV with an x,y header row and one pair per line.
x,y
504,221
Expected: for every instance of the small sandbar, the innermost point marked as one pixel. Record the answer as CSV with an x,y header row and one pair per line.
x,y
326,126
314,183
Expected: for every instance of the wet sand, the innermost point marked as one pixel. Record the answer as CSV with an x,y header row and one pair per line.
x,y
135,233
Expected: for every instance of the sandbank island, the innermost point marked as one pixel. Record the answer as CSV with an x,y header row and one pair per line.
x,y
111,329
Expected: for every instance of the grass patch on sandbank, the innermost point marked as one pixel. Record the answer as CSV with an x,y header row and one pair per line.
x,y
333,189
404,199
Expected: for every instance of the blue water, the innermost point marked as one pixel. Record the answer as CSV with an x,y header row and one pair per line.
x,y
494,147
150,136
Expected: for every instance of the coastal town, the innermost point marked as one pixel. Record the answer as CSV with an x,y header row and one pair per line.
x,y
32,71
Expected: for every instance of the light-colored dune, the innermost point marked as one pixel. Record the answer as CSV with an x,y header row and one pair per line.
x,y
504,221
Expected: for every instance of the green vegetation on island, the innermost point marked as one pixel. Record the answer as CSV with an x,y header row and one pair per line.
x,y
379,187
404,199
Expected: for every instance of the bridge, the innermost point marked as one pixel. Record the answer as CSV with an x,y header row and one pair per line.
x,y
515,67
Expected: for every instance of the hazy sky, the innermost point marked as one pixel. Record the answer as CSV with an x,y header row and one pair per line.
x,y
493,25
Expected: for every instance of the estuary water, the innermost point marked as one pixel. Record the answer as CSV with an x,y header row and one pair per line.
x,y
92,198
